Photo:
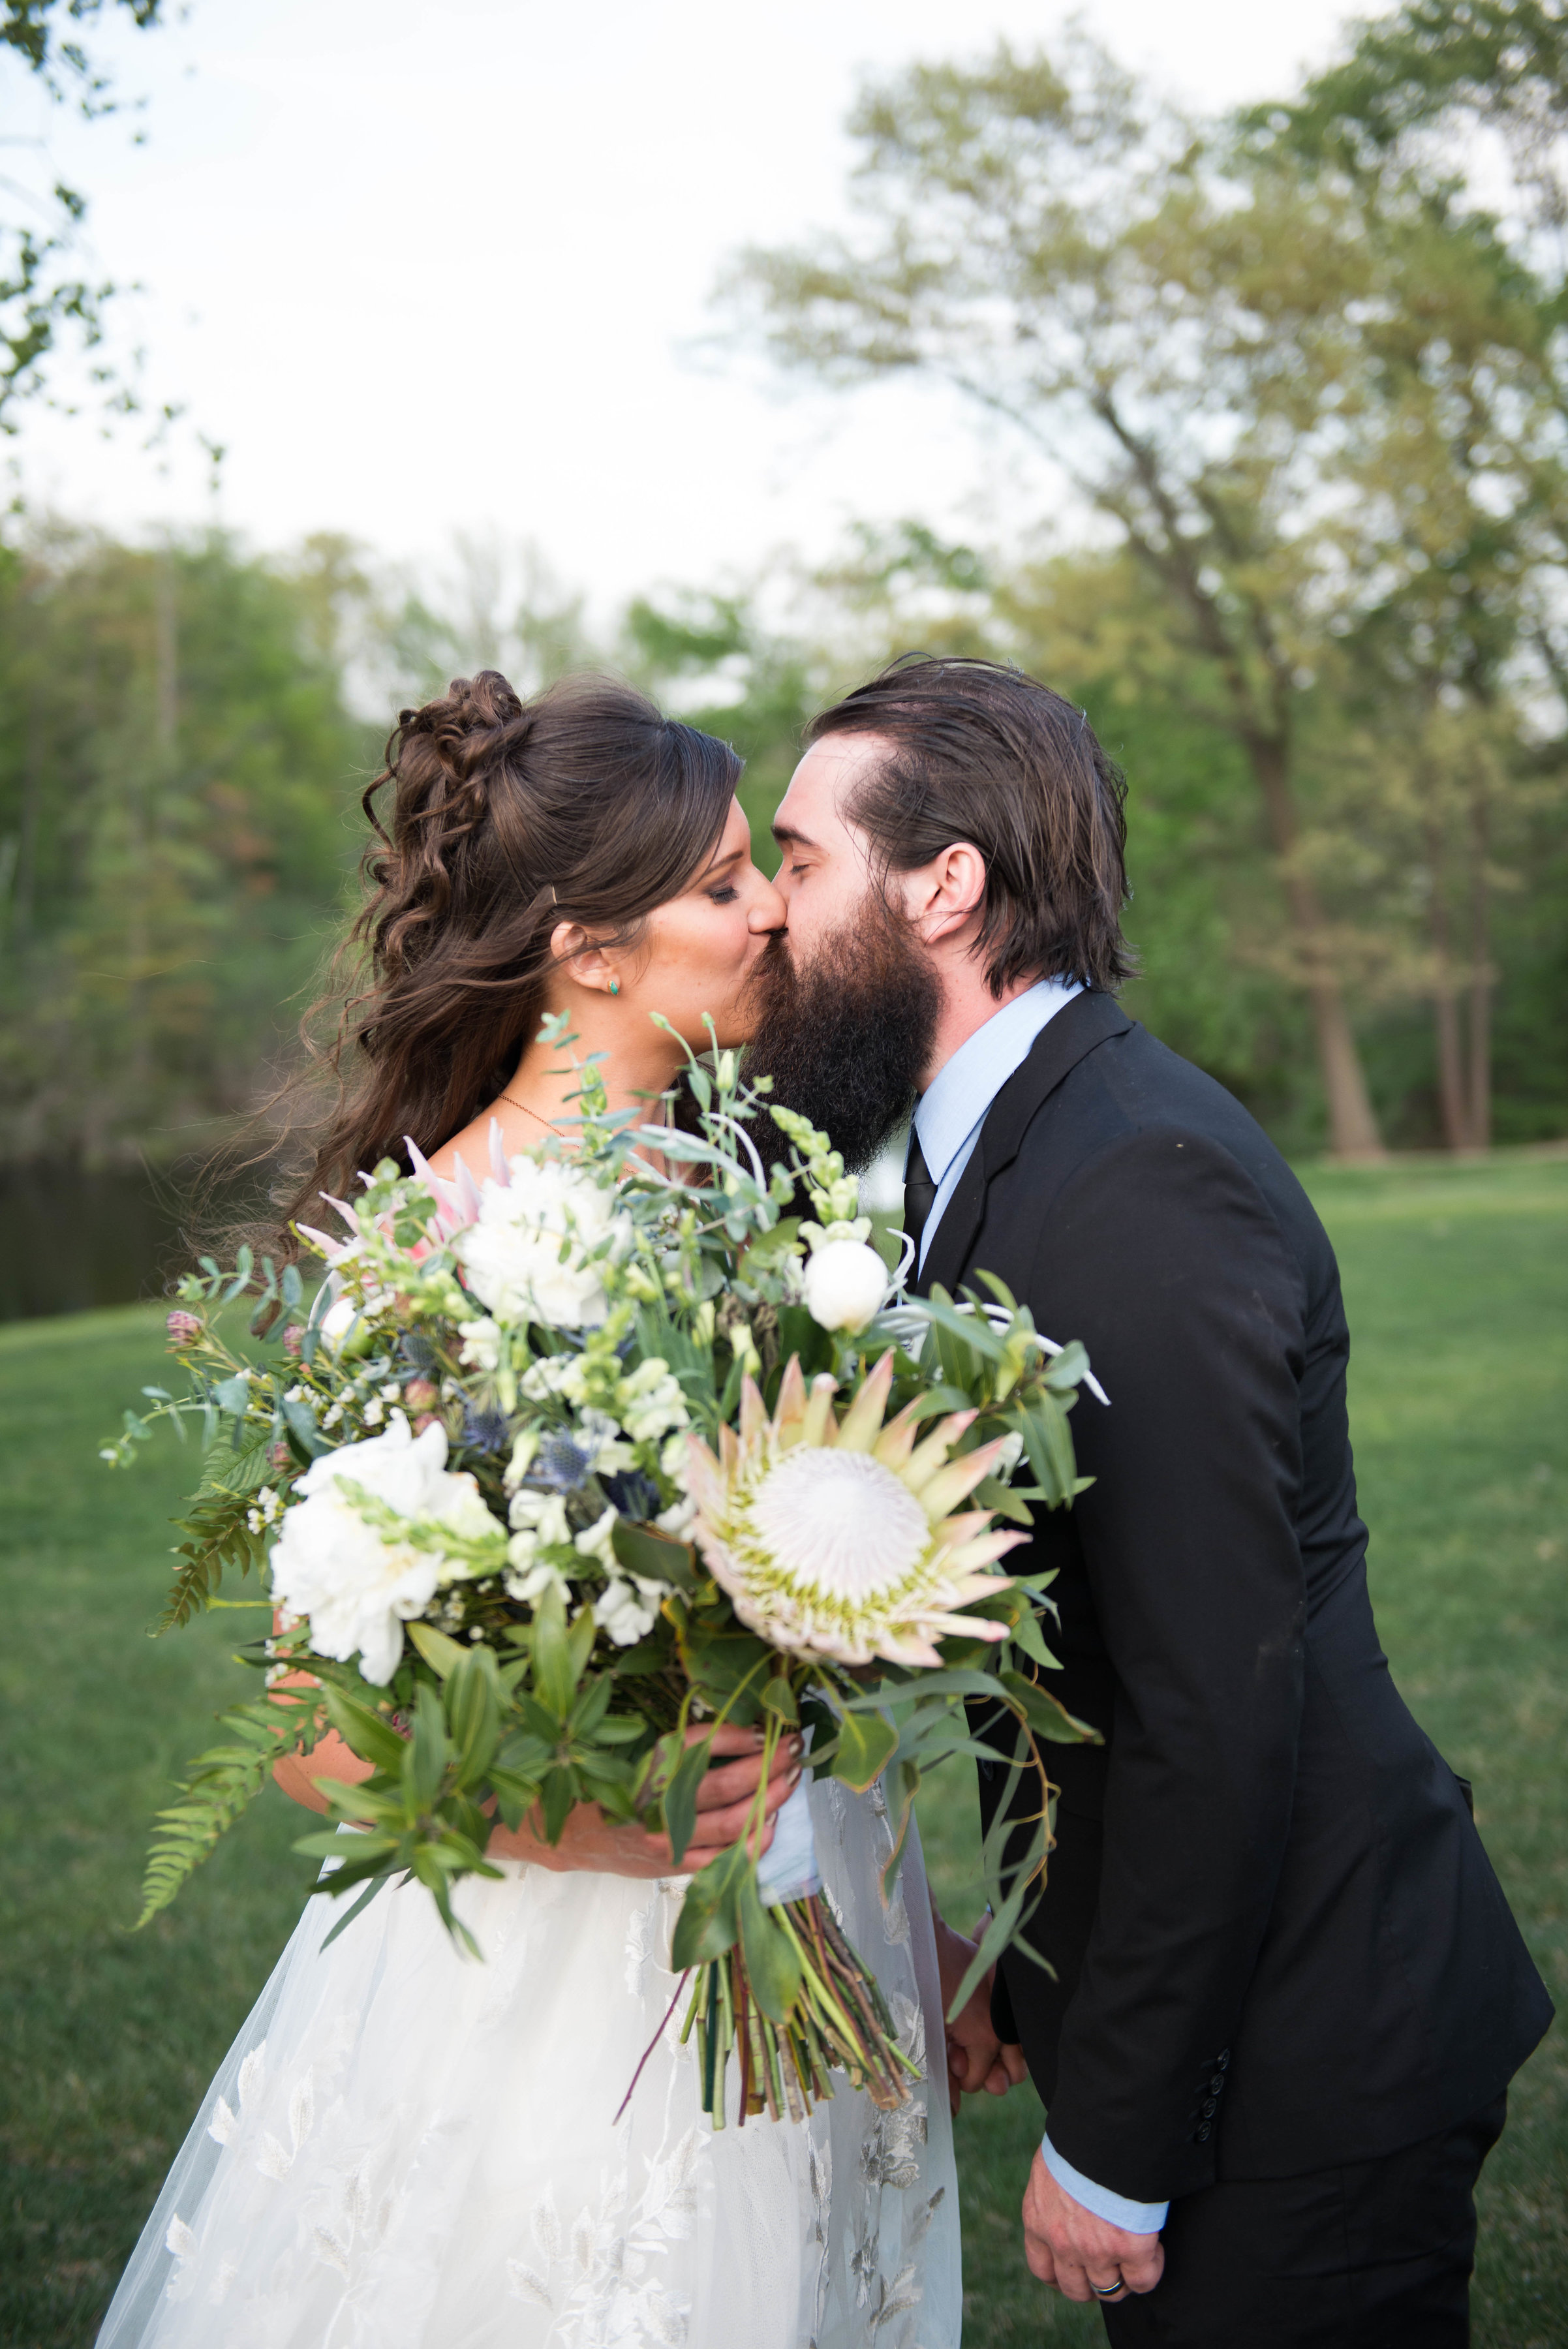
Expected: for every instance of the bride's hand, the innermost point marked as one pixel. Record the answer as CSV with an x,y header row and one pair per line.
x,y
977,2058
724,1801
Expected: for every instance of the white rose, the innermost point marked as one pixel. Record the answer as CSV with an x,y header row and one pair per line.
x,y
356,1586
845,1283
537,1248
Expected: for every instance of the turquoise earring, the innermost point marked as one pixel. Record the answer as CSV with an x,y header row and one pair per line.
x,y
615,986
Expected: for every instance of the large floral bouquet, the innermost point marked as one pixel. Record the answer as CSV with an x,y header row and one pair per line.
x,y
565,1467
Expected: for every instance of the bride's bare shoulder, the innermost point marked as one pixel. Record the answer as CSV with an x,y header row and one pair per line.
x,y
471,1145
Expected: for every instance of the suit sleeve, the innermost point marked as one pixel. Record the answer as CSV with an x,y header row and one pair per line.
x,y
1163,1257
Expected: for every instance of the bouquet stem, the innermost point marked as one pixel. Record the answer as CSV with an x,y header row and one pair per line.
x,y
839,2022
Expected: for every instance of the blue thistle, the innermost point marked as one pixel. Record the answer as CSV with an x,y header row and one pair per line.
x,y
484,1431
633,1494
560,1465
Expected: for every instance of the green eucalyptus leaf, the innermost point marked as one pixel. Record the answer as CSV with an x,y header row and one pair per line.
x,y
772,1964
779,1699
866,1743
709,1922
680,1797
1045,1716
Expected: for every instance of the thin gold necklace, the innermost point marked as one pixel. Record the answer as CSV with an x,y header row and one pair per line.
x,y
515,1103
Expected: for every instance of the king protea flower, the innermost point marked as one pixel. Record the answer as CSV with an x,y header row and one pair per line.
x,y
836,1537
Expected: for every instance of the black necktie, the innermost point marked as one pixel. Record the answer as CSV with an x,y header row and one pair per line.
x,y
919,1193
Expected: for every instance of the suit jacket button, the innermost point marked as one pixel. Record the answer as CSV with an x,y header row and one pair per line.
x,y
1216,2084
1210,2109
1203,2133
1222,2059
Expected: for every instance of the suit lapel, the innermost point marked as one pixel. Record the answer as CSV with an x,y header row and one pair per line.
x,y
1061,1044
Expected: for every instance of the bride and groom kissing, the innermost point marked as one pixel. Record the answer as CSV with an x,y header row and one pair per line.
x,y
1272,1996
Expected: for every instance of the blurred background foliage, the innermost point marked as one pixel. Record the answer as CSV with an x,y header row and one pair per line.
x,y
1305,374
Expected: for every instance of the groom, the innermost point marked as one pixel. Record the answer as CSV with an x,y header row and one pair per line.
x,y
1285,1995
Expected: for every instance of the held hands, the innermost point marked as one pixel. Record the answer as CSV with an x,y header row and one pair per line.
x,y
1067,2246
977,2058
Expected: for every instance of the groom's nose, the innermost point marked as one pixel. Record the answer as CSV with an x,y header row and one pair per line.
x,y
769,911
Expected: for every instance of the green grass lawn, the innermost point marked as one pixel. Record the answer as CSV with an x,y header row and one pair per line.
x,y
1457,1279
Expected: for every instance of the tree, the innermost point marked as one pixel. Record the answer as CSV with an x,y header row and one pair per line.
x,y
1464,476
178,779
1182,345
40,293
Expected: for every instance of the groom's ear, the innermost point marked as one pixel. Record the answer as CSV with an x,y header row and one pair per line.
x,y
943,897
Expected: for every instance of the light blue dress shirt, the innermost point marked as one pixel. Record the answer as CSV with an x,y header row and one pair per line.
x,y
953,1108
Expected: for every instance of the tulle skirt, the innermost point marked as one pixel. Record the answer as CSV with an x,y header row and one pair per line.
x,y
407,2149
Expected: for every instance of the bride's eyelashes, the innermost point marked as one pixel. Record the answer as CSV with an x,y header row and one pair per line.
x,y
725,896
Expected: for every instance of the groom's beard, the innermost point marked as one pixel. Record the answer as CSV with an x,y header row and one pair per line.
x,y
845,1035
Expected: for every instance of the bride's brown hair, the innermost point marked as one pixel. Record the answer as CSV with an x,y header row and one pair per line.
x,y
586,805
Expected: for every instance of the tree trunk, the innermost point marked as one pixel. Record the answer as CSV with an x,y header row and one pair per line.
x,y
1479,1105
1452,1104
1351,1122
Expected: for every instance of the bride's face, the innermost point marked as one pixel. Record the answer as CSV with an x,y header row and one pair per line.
x,y
697,951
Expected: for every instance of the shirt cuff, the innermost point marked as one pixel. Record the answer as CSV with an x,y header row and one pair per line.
x,y
1135,2218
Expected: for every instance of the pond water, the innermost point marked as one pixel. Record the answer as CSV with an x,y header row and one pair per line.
x,y
76,1240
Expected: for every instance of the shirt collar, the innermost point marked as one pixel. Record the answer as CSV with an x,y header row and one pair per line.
x,y
963,1088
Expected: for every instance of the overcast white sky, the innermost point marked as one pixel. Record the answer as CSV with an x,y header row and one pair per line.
x,y
427,265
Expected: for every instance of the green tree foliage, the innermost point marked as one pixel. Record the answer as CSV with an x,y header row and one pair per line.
x,y
1460,655
177,777
41,292
1312,406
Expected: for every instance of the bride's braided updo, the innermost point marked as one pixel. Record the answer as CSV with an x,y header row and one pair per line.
x,y
506,817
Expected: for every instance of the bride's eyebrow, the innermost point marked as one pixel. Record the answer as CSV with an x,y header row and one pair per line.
x,y
717,866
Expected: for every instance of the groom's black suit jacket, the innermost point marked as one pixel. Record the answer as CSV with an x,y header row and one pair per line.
x,y
1278,1942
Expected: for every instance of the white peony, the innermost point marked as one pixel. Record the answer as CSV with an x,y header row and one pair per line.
x,y
358,1586
537,1249
845,1283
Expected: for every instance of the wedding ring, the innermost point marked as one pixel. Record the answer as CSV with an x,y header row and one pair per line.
x,y
1108,2290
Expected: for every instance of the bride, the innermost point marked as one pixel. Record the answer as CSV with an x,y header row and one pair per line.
x,y
407,2149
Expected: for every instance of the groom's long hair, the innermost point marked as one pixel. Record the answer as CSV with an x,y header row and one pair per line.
x,y
981,752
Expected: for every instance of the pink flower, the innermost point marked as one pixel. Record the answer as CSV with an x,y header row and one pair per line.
x,y
292,1338
183,1328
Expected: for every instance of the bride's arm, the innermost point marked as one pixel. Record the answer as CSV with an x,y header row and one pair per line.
x,y
590,1841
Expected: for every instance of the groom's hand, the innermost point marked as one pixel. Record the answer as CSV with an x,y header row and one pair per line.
x,y
977,2058
1067,2246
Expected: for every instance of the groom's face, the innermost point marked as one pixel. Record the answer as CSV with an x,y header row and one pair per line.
x,y
825,873
847,999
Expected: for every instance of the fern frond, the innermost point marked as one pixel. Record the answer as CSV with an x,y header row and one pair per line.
x,y
220,1539
222,1782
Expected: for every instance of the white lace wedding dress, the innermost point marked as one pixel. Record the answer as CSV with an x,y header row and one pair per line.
x,y
406,2149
